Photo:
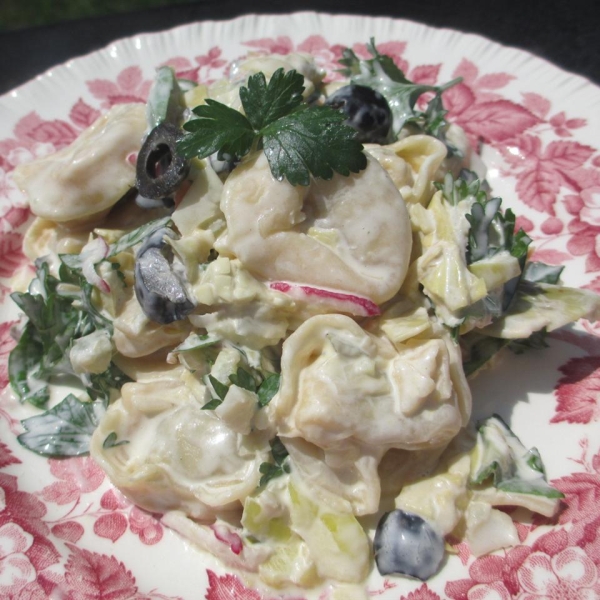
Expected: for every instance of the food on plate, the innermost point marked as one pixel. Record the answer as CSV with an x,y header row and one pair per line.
x,y
269,318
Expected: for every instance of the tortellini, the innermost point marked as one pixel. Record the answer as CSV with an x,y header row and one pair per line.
x,y
413,164
177,456
135,335
227,90
342,384
348,396
350,233
89,176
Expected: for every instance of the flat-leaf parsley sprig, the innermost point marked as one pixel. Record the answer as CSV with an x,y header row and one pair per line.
x,y
299,140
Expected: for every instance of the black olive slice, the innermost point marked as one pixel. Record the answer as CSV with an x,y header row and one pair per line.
x,y
366,110
159,289
160,170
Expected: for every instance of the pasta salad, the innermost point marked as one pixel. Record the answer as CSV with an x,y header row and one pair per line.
x,y
270,292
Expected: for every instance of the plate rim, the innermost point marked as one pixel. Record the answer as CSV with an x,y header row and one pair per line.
x,y
74,61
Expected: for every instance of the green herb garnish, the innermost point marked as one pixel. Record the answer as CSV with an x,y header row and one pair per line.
x,y
381,73
59,311
500,457
111,441
64,430
279,467
265,390
298,140
220,389
268,388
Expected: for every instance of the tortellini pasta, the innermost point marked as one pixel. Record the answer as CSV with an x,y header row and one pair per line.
x,y
227,90
347,396
89,176
176,456
350,233
342,384
413,164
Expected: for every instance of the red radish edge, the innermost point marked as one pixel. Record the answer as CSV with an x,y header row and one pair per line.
x,y
91,254
225,535
365,307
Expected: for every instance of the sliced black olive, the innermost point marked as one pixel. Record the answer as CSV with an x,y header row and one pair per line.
x,y
158,288
160,170
366,110
406,544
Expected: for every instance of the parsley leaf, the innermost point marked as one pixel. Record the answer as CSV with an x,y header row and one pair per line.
x,y
217,128
60,311
312,140
243,379
268,388
492,230
64,430
298,140
265,103
220,389
271,470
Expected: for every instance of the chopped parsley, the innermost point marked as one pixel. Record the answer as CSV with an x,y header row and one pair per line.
x,y
279,467
265,390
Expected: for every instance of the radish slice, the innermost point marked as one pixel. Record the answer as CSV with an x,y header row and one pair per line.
x,y
340,301
227,536
91,254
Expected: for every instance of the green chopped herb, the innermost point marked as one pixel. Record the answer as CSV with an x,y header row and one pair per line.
x,y
243,379
279,467
111,441
59,311
500,456
220,389
381,73
268,388
64,430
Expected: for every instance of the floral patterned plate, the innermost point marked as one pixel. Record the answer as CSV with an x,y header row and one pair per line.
x,y
66,533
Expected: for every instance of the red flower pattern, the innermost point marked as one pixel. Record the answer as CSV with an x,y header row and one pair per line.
x,y
422,593
578,392
129,87
7,343
77,476
201,71
559,175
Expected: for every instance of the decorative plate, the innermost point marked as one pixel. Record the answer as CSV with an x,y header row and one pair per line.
x,y
66,533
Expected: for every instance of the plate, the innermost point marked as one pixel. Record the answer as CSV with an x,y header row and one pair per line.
x,y
66,533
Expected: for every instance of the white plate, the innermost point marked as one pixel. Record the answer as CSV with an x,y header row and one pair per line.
x,y
65,533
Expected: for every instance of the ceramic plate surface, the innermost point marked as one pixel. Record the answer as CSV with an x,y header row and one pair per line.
x,y
66,533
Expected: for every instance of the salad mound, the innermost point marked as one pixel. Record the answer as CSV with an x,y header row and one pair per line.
x,y
267,295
